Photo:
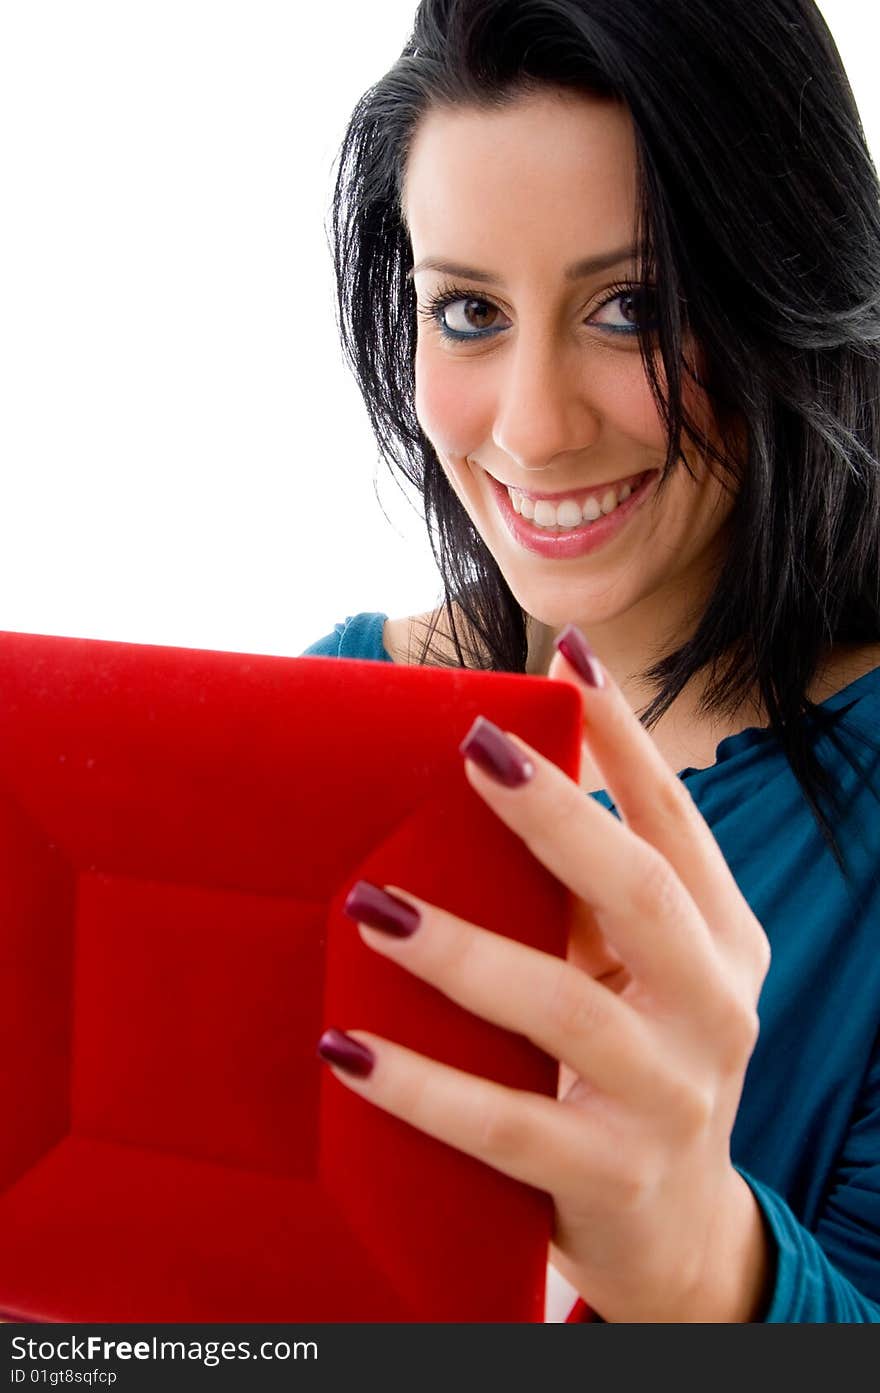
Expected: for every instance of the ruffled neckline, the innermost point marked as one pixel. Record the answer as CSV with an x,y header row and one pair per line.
x,y
842,700
731,745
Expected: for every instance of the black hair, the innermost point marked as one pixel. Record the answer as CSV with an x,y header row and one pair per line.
x,y
759,220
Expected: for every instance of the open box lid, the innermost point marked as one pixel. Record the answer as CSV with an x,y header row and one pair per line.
x,y
179,829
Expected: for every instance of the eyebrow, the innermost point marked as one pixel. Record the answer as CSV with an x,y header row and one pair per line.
x,y
589,266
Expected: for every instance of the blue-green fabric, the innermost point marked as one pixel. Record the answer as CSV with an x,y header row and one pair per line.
x,y
807,1136
358,636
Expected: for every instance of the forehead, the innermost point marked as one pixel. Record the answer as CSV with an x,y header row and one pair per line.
x,y
553,172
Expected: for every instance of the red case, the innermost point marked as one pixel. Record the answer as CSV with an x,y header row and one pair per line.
x,y
178,831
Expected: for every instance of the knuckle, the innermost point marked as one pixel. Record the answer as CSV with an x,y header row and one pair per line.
x,y
572,1009
454,959
691,1104
631,1183
672,800
500,1130
656,891
749,1028
738,1027
762,953
412,1098
552,814
457,953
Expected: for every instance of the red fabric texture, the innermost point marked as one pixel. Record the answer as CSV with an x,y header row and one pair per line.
x,y
178,831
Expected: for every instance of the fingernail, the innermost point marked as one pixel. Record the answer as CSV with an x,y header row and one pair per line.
x,y
497,756
338,1048
573,646
369,905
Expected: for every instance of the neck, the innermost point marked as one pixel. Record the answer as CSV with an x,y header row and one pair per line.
x,y
627,644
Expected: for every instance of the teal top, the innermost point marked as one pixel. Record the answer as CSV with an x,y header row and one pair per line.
x,y
807,1135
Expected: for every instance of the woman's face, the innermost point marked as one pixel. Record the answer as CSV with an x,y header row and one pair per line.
x,y
530,377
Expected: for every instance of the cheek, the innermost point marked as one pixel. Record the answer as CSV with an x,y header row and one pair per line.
x,y
452,409
628,405
455,407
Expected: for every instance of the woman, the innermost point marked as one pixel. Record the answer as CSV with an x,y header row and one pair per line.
x,y
609,278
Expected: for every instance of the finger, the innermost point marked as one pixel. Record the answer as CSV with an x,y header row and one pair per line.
x,y
589,949
548,1000
656,804
525,1135
641,905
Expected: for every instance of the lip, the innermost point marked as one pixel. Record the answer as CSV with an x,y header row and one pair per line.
x,y
576,541
579,495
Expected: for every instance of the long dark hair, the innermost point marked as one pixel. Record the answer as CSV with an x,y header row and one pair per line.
x,y
759,216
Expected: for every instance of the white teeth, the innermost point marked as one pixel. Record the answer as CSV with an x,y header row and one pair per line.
x,y
567,514
545,513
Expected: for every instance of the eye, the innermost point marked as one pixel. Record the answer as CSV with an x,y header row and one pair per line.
x,y
630,309
461,316
627,311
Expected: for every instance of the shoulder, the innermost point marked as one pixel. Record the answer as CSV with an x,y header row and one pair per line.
x,y
371,634
356,636
405,637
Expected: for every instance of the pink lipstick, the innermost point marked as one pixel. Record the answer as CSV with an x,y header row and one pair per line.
x,y
565,544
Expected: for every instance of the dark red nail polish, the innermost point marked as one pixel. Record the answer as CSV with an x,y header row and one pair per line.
x,y
338,1048
497,756
574,647
369,905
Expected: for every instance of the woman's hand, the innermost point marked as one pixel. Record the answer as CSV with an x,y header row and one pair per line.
x,y
653,1017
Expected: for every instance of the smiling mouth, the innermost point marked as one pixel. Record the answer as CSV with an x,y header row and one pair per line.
x,y
564,512
570,531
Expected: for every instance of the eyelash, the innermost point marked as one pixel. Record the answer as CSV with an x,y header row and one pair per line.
x,y
448,294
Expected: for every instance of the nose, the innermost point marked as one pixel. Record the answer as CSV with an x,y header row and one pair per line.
x,y
543,407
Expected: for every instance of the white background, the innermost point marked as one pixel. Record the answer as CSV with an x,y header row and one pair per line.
x,y
184,456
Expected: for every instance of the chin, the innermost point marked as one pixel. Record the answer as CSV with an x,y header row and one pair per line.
x,y
554,605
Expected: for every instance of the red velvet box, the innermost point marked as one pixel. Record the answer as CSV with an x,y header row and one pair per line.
x,y
178,831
